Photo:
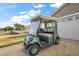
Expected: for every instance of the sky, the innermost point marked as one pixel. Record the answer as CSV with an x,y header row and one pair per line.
x,y
22,13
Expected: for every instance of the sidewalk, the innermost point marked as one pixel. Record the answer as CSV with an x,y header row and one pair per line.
x,y
6,36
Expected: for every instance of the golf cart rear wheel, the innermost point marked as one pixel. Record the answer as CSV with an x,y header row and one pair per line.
x,y
57,40
33,49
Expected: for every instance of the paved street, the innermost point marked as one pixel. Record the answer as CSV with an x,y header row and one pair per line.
x,y
65,48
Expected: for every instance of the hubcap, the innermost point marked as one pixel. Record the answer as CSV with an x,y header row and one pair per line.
x,y
34,50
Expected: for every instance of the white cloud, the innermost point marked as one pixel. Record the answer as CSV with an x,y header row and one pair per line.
x,y
56,5
34,12
23,12
38,5
28,23
20,19
4,24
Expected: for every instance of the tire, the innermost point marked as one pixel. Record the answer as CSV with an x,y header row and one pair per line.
x,y
33,49
57,40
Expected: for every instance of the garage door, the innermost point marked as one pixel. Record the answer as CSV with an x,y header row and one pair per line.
x,y
68,27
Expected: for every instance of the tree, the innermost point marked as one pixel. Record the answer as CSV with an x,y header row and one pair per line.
x,y
8,28
19,27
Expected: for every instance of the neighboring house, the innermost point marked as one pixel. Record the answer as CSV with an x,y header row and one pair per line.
x,y
68,24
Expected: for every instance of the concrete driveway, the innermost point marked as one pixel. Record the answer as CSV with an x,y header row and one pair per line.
x,y
65,48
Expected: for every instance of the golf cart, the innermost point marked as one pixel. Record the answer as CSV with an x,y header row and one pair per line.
x,y
43,33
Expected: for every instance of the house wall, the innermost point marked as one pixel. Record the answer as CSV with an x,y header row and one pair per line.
x,y
68,29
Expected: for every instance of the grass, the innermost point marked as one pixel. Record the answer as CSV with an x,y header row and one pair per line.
x,y
11,40
2,34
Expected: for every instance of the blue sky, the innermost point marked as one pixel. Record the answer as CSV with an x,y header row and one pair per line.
x,y
11,13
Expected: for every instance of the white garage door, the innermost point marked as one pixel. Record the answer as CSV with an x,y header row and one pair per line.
x,y
68,27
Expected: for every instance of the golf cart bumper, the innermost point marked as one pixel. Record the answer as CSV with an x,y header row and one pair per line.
x,y
26,46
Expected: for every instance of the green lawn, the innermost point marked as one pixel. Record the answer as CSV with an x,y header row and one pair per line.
x,y
11,40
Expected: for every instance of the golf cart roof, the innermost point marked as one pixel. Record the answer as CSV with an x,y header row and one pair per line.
x,y
43,18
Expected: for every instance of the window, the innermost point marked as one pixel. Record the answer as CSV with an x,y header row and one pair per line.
x,y
77,17
42,26
51,24
62,20
69,19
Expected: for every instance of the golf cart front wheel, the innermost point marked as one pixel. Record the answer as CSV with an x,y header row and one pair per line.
x,y
33,49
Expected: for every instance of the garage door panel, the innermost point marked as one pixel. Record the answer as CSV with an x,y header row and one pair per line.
x,y
69,29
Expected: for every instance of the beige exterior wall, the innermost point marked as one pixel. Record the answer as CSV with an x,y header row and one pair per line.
x,y
69,9
68,29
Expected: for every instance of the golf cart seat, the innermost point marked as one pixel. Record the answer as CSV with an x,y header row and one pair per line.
x,y
43,43
45,34
47,30
44,38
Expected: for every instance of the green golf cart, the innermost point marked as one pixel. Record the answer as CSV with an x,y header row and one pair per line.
x,y
43,32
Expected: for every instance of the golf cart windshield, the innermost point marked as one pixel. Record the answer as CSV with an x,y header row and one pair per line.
x,y
34,27
48,26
